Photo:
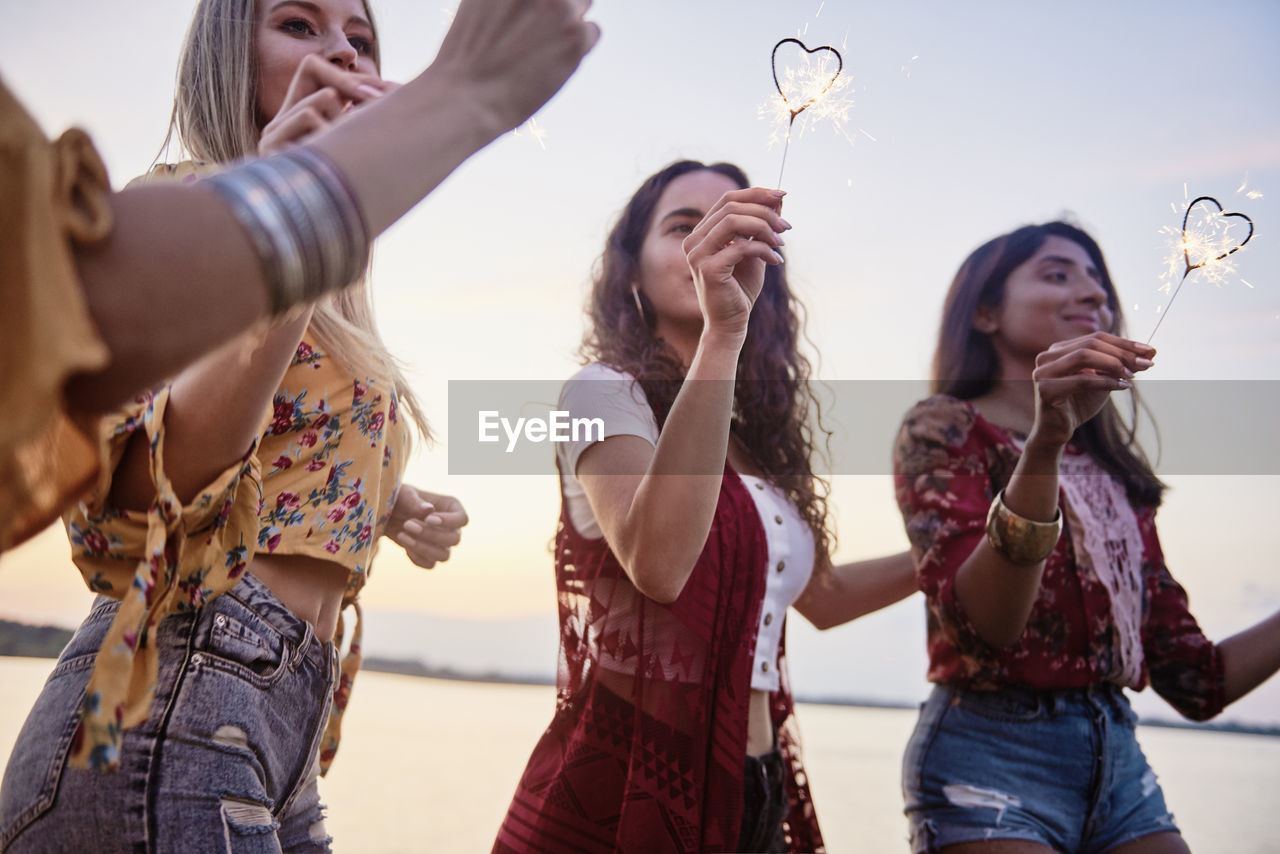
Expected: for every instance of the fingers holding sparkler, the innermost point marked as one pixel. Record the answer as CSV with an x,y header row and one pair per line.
x,y
728,252
1074,378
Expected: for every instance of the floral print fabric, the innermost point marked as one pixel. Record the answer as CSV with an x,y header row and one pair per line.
x,y
333,453
165,560
949,462
332,456
320,481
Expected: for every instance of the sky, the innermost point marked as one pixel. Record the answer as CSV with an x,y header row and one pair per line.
x,y
968,119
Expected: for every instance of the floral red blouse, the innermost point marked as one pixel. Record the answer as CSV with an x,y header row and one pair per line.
x,y
949,462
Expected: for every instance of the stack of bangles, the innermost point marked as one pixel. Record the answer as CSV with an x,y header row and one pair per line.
x,y
1018,539
303,220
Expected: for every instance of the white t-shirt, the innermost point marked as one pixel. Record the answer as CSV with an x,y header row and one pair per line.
x,y
599,391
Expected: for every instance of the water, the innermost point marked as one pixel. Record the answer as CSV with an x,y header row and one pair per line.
x,y
429,765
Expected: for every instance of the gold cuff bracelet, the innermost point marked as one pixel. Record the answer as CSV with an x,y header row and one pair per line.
x,y
1019,539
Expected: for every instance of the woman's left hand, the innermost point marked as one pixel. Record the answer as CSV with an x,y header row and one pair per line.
x,y
426,525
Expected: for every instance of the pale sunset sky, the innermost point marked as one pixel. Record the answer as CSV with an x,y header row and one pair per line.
x,y
969,118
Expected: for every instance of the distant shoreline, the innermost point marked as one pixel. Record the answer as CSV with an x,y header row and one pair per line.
x,y
410,667
20,639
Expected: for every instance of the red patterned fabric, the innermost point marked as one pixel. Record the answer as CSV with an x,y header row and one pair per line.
x,y
949,462
646,748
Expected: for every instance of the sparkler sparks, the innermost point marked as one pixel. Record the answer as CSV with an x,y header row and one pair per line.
x,y
814,91
1244,188
535,132
1208,238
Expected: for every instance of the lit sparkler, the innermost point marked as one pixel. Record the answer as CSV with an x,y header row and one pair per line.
x,y
816,88
1205,243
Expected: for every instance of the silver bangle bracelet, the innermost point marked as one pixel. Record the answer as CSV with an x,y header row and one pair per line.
x,y
303,221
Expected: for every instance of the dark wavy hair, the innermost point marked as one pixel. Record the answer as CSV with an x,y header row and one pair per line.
x,y
773,400
966,365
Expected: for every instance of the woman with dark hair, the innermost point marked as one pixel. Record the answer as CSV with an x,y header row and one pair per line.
x,y
1027,742
687,530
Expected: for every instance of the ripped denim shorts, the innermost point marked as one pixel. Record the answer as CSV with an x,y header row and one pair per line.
x,y
226,761
1062,768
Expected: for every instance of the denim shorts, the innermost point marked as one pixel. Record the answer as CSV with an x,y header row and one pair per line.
x,y
1062,768
226,761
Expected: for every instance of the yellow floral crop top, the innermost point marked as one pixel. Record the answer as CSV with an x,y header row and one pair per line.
x,y
332,456
320,480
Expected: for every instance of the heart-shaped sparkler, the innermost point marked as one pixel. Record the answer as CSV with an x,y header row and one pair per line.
x,y
1205,247
822,89
813,86
1186,243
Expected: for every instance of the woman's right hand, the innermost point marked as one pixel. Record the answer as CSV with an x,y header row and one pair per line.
x,y
728,251
1074,378
318,95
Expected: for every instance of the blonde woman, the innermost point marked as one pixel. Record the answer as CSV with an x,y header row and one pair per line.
x,y
246,496
93,313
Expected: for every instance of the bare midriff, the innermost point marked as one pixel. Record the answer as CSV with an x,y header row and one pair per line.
x,y
311,588
759,721
759,724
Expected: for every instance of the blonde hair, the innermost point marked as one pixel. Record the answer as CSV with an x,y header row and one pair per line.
x,y
215,120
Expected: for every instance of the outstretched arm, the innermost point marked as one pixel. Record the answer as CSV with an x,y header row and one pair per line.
x,y
178,276
853,590
1250,657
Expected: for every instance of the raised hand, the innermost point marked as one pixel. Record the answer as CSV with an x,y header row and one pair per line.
x,y
1073,379
511,56
318,95
728,252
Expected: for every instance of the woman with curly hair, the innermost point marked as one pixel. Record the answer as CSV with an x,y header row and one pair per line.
x,y
1031,511
686,532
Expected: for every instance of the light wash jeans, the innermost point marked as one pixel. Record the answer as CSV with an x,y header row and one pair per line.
x,y
227,760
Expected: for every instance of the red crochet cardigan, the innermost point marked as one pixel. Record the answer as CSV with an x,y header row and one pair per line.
x,y
646,749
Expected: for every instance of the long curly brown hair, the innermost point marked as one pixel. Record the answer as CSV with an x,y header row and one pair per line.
x,y
775,410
